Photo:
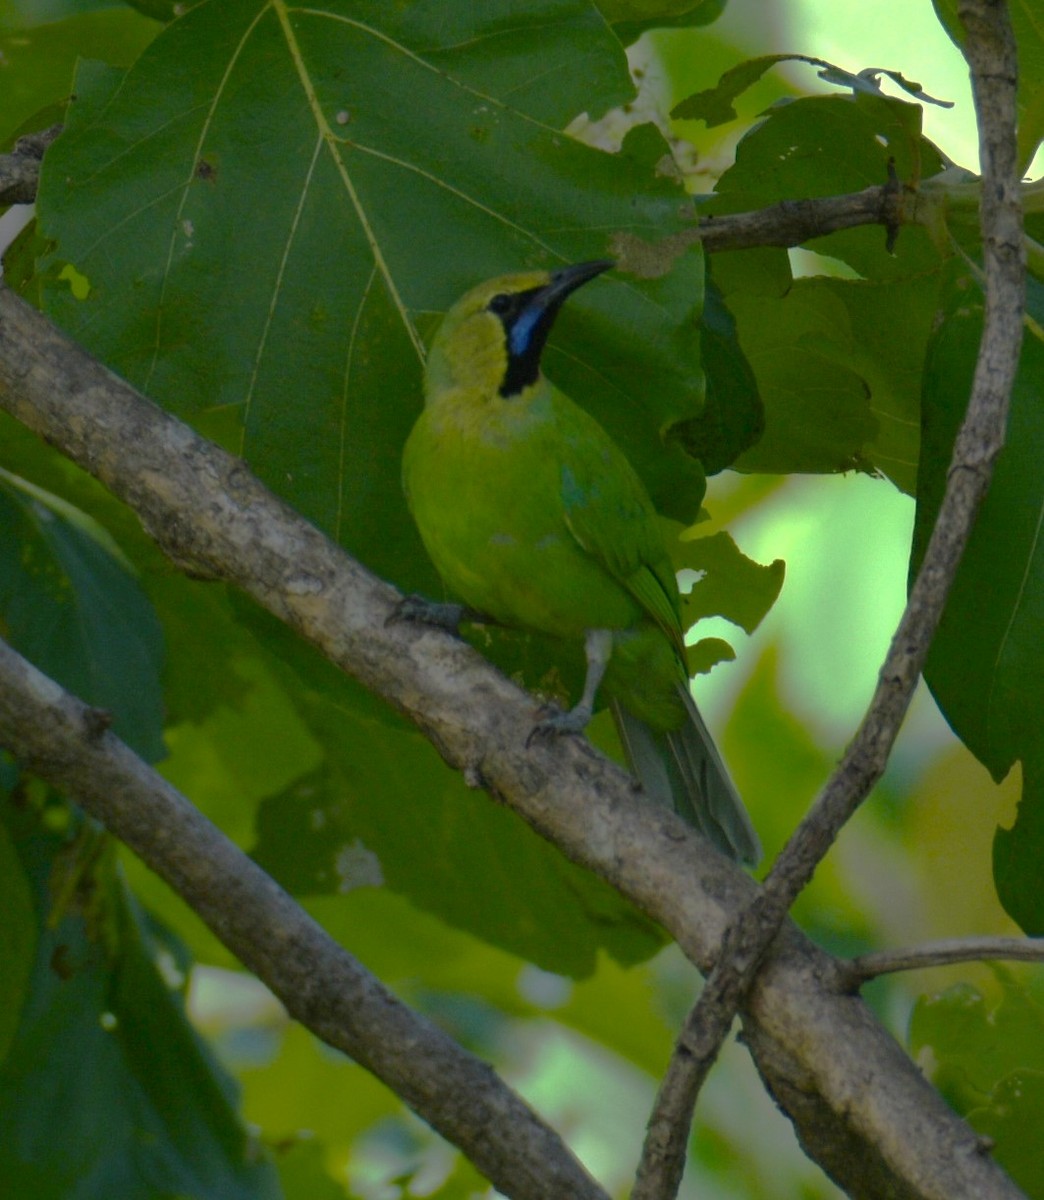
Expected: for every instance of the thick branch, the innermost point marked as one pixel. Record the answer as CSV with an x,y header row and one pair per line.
x,y
20,170
321,985
991,55
852,1092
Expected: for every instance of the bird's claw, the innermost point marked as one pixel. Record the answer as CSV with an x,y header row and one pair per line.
x,y
554,723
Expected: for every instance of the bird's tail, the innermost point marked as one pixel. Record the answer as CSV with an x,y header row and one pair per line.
x,y
683,770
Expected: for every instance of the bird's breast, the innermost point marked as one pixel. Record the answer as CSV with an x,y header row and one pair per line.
x,y
486,491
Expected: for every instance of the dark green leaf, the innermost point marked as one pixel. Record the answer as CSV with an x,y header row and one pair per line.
x,y
818,412
1017,855
298,340
631,18
69,602
107,1090
704,655
986,665
18,936
733,416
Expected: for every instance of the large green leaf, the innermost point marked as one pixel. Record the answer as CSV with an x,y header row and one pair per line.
x,y
383,811
271,207
107,1091
800,343
986,666
69,602
837,361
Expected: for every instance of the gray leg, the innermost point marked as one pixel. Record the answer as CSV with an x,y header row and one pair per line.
x,y
598,645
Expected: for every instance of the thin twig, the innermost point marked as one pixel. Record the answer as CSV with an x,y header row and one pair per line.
x,y
788,223
319,982
991,54
942,953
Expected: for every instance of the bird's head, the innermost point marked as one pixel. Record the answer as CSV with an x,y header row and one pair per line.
x,y
493,337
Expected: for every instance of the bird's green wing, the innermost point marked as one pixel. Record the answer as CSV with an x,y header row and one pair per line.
x,y
609,513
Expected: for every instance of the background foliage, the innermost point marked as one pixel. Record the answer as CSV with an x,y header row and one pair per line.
x,y
257,214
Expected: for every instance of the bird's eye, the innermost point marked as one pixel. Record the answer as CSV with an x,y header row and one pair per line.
x,y
500,304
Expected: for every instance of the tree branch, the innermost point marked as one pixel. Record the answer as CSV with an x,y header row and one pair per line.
x,y
857,1100
20,170
991,53
788,223
323,986
941,954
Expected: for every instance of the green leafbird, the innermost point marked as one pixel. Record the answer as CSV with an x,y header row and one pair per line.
x,y
535,518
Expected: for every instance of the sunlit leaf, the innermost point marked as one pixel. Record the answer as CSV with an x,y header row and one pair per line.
x,y
731,585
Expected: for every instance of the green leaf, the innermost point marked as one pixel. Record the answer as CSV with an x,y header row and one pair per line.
x,y
887,325
818,411
703,656
1017,854
837,362
986,664
1012,1121
826,146
732,585
442,845
201,629
715,105
303,1172
107,1090
988,1058
69,602
18,937
733,418
39,59
631,18
298,340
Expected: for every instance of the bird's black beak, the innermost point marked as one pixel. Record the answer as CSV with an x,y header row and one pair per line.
x,y
528,317
568,279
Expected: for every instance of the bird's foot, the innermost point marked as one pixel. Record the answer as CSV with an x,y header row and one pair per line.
x,y
555,723
421,611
